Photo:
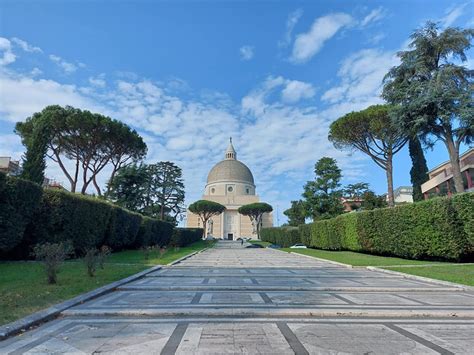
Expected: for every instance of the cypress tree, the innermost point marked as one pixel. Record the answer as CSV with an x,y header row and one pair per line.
x,y
34,161
419,169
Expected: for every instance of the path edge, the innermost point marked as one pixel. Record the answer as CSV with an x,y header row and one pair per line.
x,y
22,324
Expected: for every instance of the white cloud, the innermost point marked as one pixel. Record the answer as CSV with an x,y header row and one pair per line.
x,y
453,14
7,56
246,52
26,46
376,38
36,71
291,22
323,28
296,90
66,66
20,96
361,76
98,81
374,16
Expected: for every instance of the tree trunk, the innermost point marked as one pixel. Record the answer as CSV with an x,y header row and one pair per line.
x,y
455,166
96,185
389,172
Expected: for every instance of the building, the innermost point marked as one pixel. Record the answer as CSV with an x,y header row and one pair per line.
x,y
230,183
10,166
351,203
403,194
441,182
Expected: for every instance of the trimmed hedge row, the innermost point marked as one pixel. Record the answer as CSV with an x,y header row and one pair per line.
x,y
283,236
185,236
30,215
440,228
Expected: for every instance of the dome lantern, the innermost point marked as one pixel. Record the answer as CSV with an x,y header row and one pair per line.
x,y
230,152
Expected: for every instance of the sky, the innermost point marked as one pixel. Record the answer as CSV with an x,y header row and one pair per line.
x,y
187,75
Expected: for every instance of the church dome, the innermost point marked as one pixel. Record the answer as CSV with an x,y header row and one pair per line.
x,y
230,169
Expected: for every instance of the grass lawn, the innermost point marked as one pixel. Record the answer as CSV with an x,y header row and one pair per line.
x,y
360,259
463,274
23,287
459,273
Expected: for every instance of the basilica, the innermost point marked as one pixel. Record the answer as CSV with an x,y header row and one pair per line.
x,y
230,183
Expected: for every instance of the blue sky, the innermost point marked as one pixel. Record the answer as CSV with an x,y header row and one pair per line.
x,y
189,74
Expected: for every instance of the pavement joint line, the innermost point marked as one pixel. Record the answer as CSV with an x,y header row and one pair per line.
x,y
175,339
292,339
343,298
265,298
197,298
419,339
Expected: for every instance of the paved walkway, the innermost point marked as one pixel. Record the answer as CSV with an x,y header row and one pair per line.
x,y
235,300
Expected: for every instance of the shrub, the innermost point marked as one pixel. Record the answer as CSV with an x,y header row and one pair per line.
x,y
123,228
464,206
52,255
19,200
185,236
91,260
104,252
153,232
283,236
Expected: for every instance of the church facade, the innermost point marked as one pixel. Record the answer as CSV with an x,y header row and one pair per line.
x,y
230,183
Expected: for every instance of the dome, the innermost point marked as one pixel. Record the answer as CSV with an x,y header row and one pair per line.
x,y
230,170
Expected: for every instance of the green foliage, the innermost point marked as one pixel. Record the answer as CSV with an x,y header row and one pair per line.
x,y
206,209
431,90
283,236
464,207
296,213
65,216
52,255
438,229
371,201
184,236
90,140
372,132
123,228
34,161
19,200
419,169
91,261
322,196
154,232
356,190
154,190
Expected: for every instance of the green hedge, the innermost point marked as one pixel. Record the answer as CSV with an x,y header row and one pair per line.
x,y
30,215
154,232
185,236
19,199
440,228
283,236
123,228
80,219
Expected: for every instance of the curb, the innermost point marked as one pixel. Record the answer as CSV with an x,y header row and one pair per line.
x,y
421,278
327,261
19,325
44,315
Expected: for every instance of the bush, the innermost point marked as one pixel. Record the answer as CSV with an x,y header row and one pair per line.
x,y
283,236
185,236
123,228
91,260
19,200
153,232
52,256
464,206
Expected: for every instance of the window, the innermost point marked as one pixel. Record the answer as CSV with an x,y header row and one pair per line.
x,y
247,190
213,190
230,189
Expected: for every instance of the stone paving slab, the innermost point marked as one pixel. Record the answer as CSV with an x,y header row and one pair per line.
x,y
235,300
